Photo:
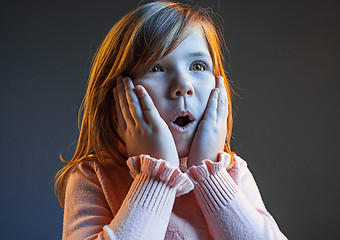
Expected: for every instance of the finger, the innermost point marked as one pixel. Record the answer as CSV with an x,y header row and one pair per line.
x,y
121,121
210,111
226,105
133,102
123,102
222,103
150,112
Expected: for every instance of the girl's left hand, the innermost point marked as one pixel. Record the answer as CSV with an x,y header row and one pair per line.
x,y
211,133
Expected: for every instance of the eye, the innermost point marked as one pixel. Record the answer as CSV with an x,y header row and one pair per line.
x,y
155,68
198,66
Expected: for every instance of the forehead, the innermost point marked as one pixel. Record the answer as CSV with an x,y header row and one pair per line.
x,y
194,45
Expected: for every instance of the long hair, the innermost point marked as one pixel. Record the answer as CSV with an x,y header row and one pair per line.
x,y
132,46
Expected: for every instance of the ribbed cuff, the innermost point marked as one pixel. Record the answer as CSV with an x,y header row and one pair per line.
x,y
214,187
155,181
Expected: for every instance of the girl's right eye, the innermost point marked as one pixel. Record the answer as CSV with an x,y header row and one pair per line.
x,y
155,68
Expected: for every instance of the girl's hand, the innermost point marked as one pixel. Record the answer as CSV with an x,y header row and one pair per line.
x,y
212,130
141,126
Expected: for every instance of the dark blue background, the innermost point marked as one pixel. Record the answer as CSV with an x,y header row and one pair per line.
x,y
285,61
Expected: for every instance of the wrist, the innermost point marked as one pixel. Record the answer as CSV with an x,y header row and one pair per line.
x,y
197,160
174,162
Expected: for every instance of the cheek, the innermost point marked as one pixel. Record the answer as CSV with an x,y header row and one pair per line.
x,y
156,93
204,89
149,87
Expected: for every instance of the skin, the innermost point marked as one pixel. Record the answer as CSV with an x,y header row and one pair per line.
x,y
180,83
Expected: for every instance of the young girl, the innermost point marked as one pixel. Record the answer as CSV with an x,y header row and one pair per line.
x,y
153,159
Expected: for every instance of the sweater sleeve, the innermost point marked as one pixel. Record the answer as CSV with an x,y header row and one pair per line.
x,y
233,210
144,213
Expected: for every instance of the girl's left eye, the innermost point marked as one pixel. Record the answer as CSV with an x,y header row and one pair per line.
x,y
198,66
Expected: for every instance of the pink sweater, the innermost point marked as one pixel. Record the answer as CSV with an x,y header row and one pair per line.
x,y
156,201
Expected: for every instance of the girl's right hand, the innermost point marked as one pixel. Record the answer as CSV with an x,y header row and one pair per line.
x,y
141,126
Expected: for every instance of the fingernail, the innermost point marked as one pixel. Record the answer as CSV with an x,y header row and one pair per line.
x,y
140,90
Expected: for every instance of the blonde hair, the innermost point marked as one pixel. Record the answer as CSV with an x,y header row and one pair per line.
x,y
134,43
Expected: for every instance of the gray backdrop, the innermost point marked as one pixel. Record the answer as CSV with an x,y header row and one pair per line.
x,y
284,56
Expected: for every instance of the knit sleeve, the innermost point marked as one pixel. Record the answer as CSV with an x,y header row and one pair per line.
x,y
144,213
233,210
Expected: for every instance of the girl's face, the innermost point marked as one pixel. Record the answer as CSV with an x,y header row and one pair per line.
x,y
180,85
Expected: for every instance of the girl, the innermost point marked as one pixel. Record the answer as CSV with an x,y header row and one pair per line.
x,y
153,159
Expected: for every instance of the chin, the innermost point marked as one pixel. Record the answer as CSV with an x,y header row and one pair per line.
x,y
183,147
183,154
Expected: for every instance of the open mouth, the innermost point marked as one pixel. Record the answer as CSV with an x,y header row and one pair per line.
x,y
182,121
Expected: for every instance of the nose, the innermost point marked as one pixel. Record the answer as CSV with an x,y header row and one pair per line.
x,y
181,85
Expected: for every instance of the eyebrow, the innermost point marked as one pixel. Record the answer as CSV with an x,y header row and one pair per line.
x,y
198,54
